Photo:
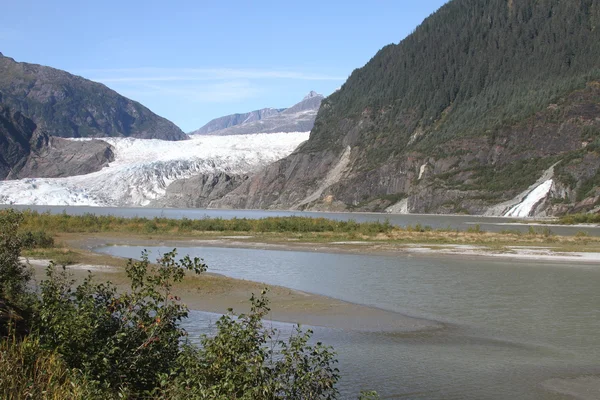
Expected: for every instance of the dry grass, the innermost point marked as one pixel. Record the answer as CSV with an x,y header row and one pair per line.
x,y
29,372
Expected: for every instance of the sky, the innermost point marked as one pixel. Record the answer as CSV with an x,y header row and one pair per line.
x,y
192,61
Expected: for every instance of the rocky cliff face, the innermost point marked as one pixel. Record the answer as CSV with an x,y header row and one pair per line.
x,y
27,152
442,123
66,105
298,118
16,137
199,191
59,158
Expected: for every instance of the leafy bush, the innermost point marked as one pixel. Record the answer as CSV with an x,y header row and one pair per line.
x,y
102,223
92,342
579,219
120,340
245,361
38,239
13,274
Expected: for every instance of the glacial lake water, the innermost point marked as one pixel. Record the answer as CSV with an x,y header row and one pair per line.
x,y
511,325
462,222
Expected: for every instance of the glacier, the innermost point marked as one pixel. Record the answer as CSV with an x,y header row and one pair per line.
x,y
144,168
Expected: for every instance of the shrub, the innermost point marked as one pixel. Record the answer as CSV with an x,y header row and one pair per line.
x,y
121,340
245,361
38,239
474,229
13,274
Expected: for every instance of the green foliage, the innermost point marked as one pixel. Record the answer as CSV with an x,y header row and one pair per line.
x,y
13,274
579,219
475,229
34,240
517,175
120,340
246,360
544,231
588,186
369,395
418,228
108,223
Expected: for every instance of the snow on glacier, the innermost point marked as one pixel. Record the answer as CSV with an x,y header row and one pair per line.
x,y
143,168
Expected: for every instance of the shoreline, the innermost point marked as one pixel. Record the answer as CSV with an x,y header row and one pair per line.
x,y
218,293
533,253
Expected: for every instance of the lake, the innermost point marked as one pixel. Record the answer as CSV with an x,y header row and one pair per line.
x,y
511,325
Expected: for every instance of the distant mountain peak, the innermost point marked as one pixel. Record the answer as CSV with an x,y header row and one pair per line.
x,y
312,94
298,118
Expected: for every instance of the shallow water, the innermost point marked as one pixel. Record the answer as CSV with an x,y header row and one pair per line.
x,y
462,222
512,325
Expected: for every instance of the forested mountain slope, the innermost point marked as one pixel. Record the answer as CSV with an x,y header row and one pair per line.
x,y
66,105
468,111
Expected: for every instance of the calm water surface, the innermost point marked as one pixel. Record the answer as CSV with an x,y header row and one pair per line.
x,y
462,222
512,324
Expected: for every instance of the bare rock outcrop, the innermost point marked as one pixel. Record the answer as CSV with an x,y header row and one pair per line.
x,y
28,152
199,191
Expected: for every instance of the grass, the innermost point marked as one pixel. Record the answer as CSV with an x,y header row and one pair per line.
x,y
293,232
91,223
574,219
30,372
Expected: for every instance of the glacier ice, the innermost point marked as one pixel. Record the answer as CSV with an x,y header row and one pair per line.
x,y
143,168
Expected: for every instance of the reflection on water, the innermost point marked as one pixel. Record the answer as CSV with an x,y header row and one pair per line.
x,y
462,222
514,324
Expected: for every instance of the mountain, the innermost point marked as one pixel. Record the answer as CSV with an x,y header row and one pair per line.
x,y
26,151
298,118
227,121
489,106
66,105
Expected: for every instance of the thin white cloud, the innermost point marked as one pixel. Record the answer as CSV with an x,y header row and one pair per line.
x,y
217,92
125,75
197,85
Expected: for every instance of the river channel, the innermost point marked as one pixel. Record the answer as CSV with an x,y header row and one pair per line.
x,y
510,326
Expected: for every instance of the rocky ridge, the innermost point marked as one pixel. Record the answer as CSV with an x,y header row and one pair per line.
x,y
66,105
228,121
298,118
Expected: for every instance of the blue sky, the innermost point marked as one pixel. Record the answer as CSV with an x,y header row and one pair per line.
x,y
191,61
